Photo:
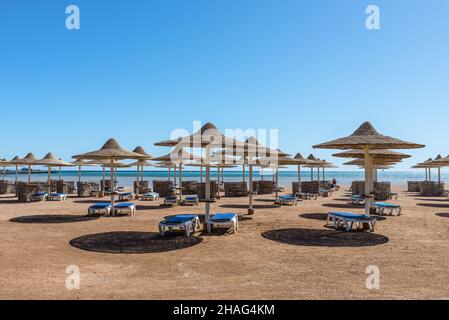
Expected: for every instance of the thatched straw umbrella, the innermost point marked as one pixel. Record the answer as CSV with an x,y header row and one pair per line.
x,y
301,161
81,163
29,161
107,164
167,165
426,165
15,162
111,151
51,161
367,138
255,154
440,162
4,164
178,156
208,137
142,163
313,162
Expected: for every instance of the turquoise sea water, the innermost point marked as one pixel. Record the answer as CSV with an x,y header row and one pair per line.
x,y
126,178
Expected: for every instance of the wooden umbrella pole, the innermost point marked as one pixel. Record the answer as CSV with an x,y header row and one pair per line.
x,y
180,181
367,181
244,173
112,181
29,172
79,173
17,180
169,173
201,174
299,173
311,173
49,179
250,182
207,185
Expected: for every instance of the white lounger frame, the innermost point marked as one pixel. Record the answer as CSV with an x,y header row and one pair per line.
x,y
131,210
380,210
61,197
189,227
337,221
233,223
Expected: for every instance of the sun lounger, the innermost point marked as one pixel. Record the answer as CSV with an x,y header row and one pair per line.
x,y
171,201
356,199
308,196
39,196
100,208
223,219
385,208
150,196
349,219
191,200
57,197
128,196
188,223
287,200
124,208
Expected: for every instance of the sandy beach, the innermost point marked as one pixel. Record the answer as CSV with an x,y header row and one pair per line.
x,y
278,253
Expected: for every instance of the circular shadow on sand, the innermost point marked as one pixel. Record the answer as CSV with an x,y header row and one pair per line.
x,y
324,238
315,216
245,206
340,205
442,214
51,219
433,205
130,242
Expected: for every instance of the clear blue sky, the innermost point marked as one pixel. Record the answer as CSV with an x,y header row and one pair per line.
x,y
138,69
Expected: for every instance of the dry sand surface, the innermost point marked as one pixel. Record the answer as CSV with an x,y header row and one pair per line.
x,y
279,253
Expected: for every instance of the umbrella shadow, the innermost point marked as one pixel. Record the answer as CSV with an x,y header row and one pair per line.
x,y
341,206
433,199
52,219
442,215
91,201
433,205
245,206
314,216
144,207
264,200
131,242
325,238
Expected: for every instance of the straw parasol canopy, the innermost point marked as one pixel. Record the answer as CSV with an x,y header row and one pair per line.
x,y
381,154
111,151
51,161
179,156
140,164
207,137
81,163
29,161
367,138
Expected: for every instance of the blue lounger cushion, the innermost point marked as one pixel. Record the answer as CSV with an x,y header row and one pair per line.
x,y
287,197
386,205
124,205
57,194
223,217
350,215
180,218
171,198
192,198
101,205
41,193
